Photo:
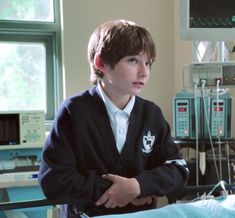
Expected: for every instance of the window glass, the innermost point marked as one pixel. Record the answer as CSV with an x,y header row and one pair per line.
x,y
27,10
23,76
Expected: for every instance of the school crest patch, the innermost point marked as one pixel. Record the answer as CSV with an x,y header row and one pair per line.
x,y
148,140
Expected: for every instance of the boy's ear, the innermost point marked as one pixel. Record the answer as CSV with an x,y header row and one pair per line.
x,y
98,62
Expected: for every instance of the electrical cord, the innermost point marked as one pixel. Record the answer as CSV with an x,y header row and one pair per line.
x,y
196,133
218,127
208,128
228,162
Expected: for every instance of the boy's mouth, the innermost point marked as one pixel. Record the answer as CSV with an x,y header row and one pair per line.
x,y
138,83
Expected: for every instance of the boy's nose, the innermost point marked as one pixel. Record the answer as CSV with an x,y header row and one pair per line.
x,y
143,70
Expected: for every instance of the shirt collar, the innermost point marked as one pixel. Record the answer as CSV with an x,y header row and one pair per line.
x,y
111,107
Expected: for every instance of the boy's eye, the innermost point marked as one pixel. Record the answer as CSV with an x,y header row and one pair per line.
x,y
148,63
132,59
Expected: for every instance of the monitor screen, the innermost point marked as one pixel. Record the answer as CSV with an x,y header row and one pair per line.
x,y
211,20
9,129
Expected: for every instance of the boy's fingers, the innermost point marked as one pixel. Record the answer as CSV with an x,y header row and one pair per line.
x,y
101,200
110,177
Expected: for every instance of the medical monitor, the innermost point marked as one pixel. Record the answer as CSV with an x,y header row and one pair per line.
x,y
207,20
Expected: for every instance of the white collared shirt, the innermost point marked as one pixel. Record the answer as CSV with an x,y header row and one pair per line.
x,y
119,119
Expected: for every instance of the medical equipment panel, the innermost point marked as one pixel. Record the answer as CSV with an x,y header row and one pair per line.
x,y
182,108
22,128
184,118
220,119
201,118
210,73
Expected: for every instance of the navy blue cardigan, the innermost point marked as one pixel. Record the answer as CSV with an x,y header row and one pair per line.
x,y
81,147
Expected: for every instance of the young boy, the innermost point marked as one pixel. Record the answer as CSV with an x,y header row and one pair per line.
x,y
110,151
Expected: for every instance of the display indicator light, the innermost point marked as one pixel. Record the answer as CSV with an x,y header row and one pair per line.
x,y
182,109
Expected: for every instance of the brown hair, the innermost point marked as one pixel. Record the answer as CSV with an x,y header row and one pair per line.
x,y
116,39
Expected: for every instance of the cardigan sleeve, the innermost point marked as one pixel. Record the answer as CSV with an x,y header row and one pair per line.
x,y
59,177
171,174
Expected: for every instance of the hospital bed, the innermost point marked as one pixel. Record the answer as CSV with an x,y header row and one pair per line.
x,y
218,207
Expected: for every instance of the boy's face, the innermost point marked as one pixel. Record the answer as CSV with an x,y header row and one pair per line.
x,y
128,77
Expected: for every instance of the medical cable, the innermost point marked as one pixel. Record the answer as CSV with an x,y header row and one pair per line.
x,y
209,195
218,128
208,128
196,132
228,163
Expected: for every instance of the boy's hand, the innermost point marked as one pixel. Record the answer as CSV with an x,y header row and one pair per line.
x,y
123,191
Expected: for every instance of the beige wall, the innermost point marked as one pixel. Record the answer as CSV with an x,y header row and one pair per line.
x,y
81,17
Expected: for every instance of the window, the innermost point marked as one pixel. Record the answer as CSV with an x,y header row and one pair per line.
x,y
30,56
